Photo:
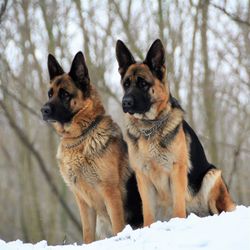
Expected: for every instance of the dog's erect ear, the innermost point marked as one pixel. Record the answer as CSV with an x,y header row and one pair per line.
x,y
155,58
79,72
124,57
54,67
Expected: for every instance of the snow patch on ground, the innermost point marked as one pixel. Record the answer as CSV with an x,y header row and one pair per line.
x,y
228,231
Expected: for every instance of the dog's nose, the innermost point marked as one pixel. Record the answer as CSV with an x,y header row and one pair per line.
x,y
46,110
127,102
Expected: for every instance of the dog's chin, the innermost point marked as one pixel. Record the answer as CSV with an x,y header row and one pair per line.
x,y
138,116
144,116
134,114
48,119
53,120
151,114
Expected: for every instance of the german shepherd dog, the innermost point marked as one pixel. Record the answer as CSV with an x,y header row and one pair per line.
x,y
92,154
174,177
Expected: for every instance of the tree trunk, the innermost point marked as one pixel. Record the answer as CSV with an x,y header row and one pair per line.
x,y
208,88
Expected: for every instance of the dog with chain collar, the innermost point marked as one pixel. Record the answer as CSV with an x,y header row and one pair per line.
x,y
173,174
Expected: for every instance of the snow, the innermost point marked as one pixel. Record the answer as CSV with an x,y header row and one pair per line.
x,y
224,232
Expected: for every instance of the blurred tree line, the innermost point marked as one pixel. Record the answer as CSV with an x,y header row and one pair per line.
x,y
208,64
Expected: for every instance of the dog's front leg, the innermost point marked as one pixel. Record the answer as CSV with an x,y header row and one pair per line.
x,y
178,177
148,193
88,219
113,201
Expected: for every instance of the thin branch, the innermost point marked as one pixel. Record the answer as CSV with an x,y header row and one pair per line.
x,y
231,15
24,139
191,66
235,165
7,155
17,80
127,29
108,91
20,102
160,21
3,9
85,32
226,144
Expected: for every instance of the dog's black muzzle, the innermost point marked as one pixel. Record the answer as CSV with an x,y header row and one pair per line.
x,y
53,112
128,104
47,112
132,105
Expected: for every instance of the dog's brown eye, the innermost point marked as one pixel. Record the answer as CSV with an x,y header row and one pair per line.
x,y
126,84
142,84
63,94
50,93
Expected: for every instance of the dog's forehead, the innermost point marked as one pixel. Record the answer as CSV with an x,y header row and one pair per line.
x,y
62,81
139,69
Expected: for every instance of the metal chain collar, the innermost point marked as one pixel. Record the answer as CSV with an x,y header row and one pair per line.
x,y
157,124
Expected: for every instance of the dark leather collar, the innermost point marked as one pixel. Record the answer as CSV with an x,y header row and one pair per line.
x,y
84,134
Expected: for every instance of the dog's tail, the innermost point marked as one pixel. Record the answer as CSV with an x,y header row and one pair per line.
x,y
219,199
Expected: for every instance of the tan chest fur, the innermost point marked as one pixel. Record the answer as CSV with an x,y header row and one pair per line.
x,y
147,154
156,163
78,173
144,151
85,173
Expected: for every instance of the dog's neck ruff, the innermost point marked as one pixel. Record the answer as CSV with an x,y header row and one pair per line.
x,y
84,134
155,126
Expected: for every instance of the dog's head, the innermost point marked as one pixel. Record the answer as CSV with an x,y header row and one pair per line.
x,y
67,91
145,89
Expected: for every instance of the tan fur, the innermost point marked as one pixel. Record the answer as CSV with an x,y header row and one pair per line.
x,y
162,171
219,199
154,174
95,166
210,197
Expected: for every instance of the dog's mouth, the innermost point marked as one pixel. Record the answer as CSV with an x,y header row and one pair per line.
x,y
51,120
48,119
54,120
137,111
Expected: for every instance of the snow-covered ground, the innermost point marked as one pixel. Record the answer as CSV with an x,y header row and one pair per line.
x,y
224,232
